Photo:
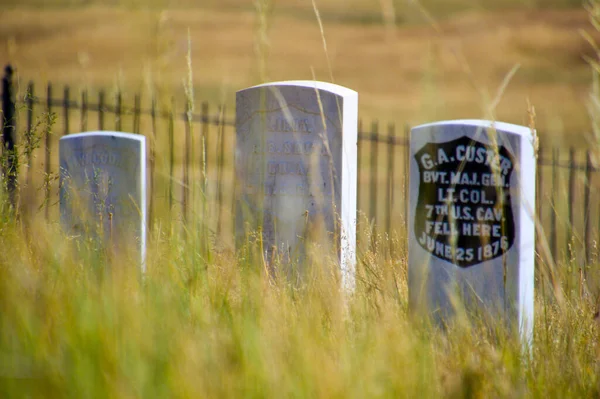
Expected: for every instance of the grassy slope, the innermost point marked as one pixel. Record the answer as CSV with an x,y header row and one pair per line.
x,y
221,329
411,74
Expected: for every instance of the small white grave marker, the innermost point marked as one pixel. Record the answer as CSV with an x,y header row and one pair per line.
x,y
103,189
296,169
471,220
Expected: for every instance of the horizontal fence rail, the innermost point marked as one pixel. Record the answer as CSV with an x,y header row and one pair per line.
x,y
191,173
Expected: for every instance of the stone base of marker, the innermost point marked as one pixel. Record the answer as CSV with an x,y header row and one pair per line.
x,y
103,191
472,222
296,173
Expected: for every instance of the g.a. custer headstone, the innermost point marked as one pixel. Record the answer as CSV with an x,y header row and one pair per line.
x,y
471,220
103,189
296,170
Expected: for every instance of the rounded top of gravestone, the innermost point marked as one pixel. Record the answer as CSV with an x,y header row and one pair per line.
x,y
104,133
481,123
311,84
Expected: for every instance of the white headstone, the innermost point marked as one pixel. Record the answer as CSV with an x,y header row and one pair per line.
x,y
296,169
103,189
471,220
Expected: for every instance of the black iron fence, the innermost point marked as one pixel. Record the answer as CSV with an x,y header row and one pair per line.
x,y
191,173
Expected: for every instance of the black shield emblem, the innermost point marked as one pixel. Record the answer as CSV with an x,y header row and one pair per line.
x,y
464,210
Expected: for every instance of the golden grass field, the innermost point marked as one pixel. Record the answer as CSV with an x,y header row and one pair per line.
x,y
407,68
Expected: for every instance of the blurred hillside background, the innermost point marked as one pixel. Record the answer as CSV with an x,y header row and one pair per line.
x,y
411,61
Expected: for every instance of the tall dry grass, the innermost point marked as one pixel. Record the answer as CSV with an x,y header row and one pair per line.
x,y
223,328
209,323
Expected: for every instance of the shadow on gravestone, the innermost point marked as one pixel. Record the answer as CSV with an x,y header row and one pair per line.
x,y
103,191
472,222
296,174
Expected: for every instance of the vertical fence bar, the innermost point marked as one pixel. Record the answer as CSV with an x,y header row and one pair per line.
x,y
203,176
47,151
185,189
101,110
30,104
587,236
29,134
8,135
136,113
373,175
220,161
171,154
539,197
208,165
389,200
118,111
231,162
203,155
66,106
84,109
406,178
555,190
360,183
152,165
570,228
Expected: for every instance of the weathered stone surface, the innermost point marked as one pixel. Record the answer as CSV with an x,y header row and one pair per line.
x,y
296,169
471,220
103,189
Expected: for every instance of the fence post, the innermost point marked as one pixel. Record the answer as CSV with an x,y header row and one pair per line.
x,y
587,240
152,164
571,197
373,175
539,198
185,187
101,110
66,106
171,138
360,160
555,189
29,133
204,130
390,183
8,135
84,108
136,113
203,163
118,111
220,166
539,180
47,150
406,181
